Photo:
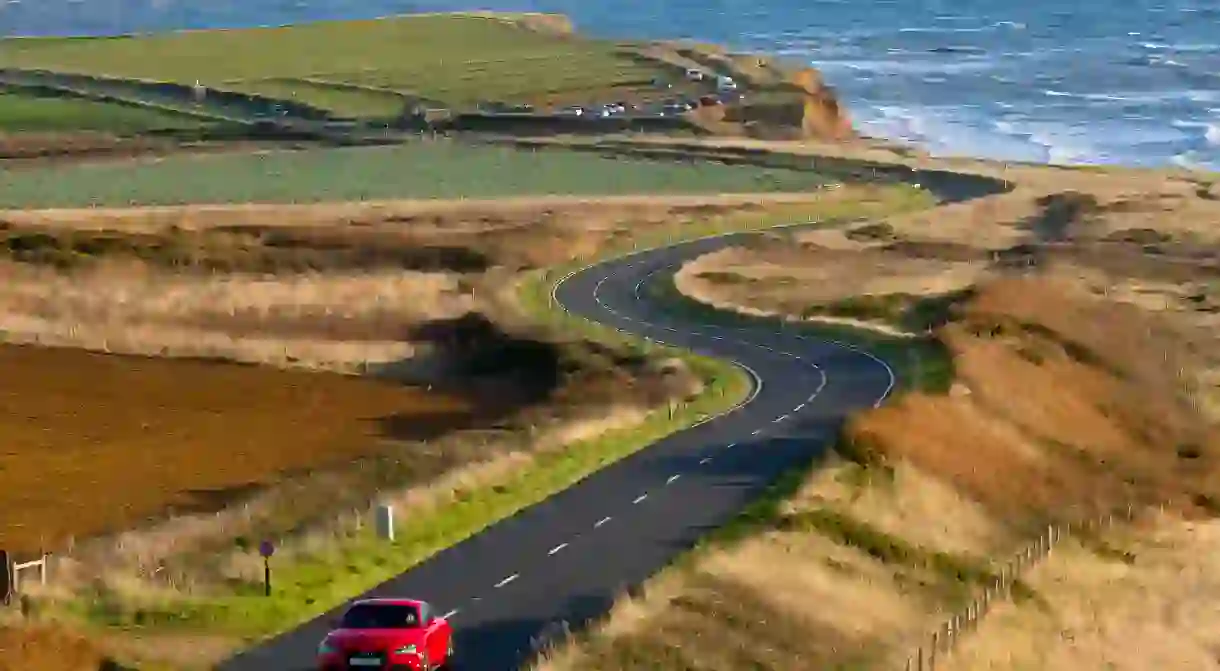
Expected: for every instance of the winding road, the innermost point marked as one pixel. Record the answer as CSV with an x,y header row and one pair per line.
x,y
568,557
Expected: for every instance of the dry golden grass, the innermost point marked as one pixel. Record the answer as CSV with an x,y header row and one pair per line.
x,y
48,648
773,280
330,321
334,287
327,214
1132,600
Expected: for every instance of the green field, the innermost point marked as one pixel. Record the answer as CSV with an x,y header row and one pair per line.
x,y
34,114
424,169
453,58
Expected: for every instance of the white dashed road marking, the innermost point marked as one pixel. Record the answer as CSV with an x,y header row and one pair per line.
x,y
779,419
507,580
450,614
799,408
705,460
601,522
557,548
672,479
640,498
756,432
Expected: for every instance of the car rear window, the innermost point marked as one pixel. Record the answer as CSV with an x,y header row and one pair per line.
x,y
381,616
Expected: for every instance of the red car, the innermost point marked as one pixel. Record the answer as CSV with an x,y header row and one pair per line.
x,y
387,635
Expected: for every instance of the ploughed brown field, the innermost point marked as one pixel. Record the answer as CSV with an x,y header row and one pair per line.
x,y
78,429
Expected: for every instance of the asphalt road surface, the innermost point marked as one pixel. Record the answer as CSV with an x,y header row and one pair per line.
x,y
567,558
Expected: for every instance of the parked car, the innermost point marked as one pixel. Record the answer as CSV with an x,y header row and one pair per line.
x,y
572,110
387,634
726,84
695,74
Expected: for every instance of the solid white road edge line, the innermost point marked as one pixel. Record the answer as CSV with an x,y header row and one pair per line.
x,y
821,373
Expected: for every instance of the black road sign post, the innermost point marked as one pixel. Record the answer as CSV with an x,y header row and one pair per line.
x,y
6,577
266,549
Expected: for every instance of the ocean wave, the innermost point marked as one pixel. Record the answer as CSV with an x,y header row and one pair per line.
x,y
998,25
1016,135
1131,97
906,66
1188,48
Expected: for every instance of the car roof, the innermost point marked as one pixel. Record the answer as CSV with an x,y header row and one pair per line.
x,y
388,602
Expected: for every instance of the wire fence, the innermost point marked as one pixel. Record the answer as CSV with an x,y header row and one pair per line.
x,y
938,645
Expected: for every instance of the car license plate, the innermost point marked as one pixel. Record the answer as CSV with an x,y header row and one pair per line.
x,y
364,661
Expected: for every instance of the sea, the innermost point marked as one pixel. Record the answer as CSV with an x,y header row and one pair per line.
x,y
1135,82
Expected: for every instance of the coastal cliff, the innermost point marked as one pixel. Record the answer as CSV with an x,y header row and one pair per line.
x,y
780,102
823,116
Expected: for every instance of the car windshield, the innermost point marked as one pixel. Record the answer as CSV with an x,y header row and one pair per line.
x,y
381,616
